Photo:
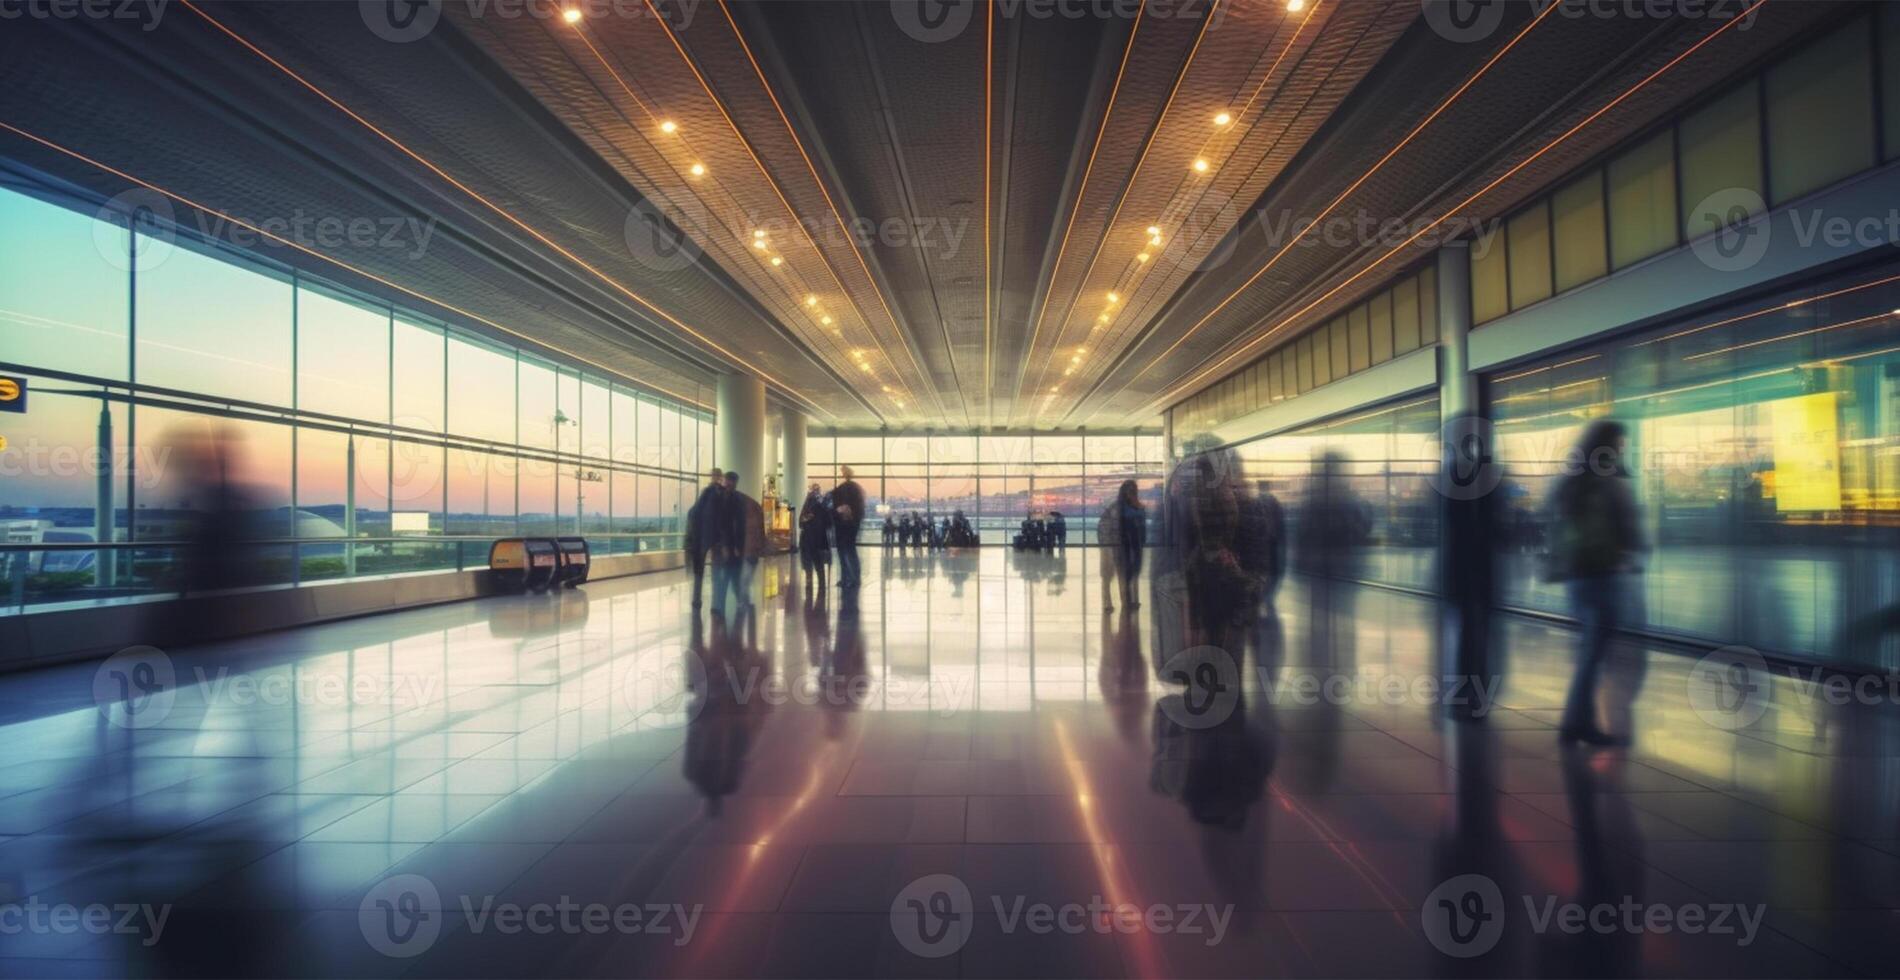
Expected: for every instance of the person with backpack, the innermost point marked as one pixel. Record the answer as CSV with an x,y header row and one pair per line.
x,y
1597,541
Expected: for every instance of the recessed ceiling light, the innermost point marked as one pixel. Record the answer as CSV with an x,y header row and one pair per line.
x,y
1222,119
758,233
698,170
1295,6
887,389
1143,257
865,365
669,127
1102,319
1154,229
778,260
1200,165
759,243
826,320
572,15
811,300
1114,297
1054,388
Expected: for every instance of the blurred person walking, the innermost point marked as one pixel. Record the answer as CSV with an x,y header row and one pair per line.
x,y
702,532
1131,539
1597,539
814,541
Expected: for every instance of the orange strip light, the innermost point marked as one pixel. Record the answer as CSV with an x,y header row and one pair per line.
x,y
510,218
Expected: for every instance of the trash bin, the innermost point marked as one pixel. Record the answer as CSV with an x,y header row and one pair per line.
x,y
524,564
575,560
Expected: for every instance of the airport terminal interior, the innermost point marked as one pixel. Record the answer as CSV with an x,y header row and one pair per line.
x,y
949,488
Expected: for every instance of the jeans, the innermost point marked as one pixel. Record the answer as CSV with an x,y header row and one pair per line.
x,y
729,576
1596,601
848,567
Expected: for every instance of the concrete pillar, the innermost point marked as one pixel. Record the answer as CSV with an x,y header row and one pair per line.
x,y
793,425
1457,390
741,404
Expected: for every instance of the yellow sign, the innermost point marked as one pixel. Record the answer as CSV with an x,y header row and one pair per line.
x,y
1807,473
3,444
9,389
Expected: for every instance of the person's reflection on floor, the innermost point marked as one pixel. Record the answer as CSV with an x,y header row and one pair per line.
x,y
1473,842
842,677
1610,870
957,568
817,619
1123,673
728,715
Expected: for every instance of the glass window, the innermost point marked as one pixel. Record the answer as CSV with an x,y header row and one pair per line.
x,y
1721,161
416,487
1820,120
1303,365
1276,377
1359,337
1642,200
211,325
1528,237
1490,287
1379,320
1405,316
596,420
342,356
535,487
539,401
1580,238
1340,339
1890,76
1428,306
64,282
567,410
625,451
1321,342
648,427
481,493
417,374
481,391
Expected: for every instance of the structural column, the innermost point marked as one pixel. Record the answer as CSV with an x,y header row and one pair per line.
x,y
741,427
792,430
1457,392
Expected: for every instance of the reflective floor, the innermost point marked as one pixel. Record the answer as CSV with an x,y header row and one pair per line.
x,y
968,769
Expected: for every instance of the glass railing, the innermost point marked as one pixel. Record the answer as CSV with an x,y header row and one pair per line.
x,y
41,576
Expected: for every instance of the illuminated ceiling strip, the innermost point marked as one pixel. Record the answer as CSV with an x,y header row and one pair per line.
x,y
1176,390
1548,367
1129,321
1791,304
667,29
1115,216
313,253
1337,201
790,295
611,282
1831,361
1069,227
836,214
1791,336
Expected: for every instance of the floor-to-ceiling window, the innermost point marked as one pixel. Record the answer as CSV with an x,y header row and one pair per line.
x,y
360,437
1765,455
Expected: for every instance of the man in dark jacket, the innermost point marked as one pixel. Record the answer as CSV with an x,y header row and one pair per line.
x,y
814,540
702,532
1599,543
847,502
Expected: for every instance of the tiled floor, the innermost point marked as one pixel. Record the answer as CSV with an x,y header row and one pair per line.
x,y
897,785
